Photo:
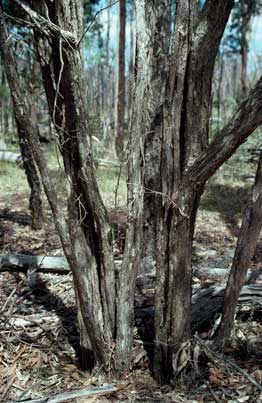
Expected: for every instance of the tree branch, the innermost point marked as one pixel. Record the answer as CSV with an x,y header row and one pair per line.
x,y
47,27
245,120
206,30
210,25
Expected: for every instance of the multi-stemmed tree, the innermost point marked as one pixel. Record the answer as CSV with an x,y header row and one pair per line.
x,y
169,162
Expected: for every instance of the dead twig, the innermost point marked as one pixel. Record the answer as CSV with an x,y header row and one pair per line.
x,y
212,353
212,392
94,18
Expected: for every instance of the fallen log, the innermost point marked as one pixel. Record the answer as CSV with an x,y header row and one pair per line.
x,y
10,156
59,265
220,274
205,302
44,264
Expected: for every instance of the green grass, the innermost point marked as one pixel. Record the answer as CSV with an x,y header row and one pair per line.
x,y
107,181
12,179
226,190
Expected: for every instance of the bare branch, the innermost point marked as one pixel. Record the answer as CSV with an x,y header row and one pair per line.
x,y
89,26
245,120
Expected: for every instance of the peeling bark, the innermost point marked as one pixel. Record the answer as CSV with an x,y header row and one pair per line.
x,y
77,248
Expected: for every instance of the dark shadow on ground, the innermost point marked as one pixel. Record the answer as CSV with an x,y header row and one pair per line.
x,y
68,316
228,201
42,297
16,217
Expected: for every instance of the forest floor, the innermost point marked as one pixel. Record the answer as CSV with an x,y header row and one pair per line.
x,y
38,335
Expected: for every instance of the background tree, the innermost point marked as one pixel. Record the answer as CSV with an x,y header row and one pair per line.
x,y
35,203
121,82
239,29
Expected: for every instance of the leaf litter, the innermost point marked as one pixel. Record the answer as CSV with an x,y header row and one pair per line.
x,y
39,352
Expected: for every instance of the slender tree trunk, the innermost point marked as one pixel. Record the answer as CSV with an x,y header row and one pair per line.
x,y
35,88
220,100
131,62
94,283
108,112
2,106
246,245
144,107
246,14
121,82
5,101
35,202
89,228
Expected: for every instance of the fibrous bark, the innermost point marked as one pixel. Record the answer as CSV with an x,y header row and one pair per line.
x,y
79,250
88,226
180,87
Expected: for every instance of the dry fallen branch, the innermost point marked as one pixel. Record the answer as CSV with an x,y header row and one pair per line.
x,y
213,354
45,264
10,156
62,397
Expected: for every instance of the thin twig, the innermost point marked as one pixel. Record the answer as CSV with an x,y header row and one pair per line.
x,y
59,79
170,200
10,296
93,20
212,392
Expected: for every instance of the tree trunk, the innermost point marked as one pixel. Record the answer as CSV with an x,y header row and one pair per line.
x,y
4,102
131,62
220,100
35,87
89,228
121,82
246,14
35,203
93,279
108,109
179,112
246,245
